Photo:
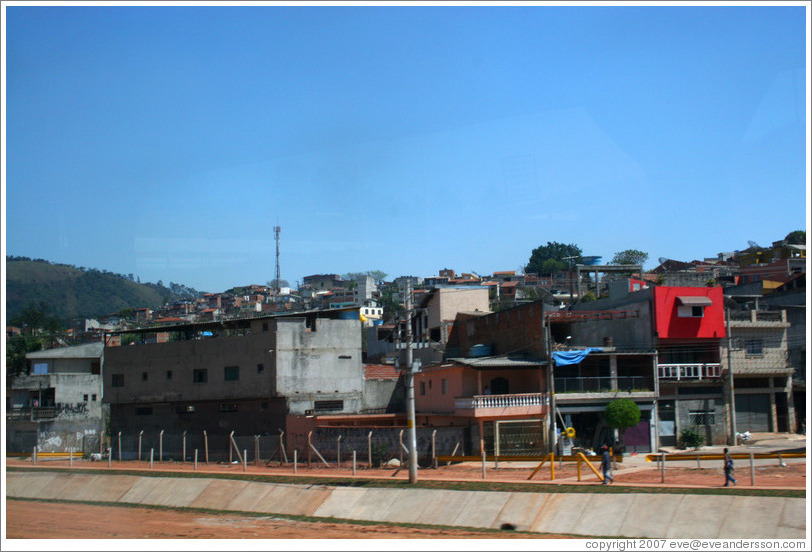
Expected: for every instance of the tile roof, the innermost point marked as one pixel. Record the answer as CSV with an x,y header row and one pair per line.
x,y
381,371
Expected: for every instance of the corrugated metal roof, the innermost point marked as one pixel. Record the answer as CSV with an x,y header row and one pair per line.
x,y
88,350
500,362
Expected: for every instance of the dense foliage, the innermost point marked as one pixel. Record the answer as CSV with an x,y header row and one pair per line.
x,y
553,257
65,292
690,438
629,257
798,237
622,414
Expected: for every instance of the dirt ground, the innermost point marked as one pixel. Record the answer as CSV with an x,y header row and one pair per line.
x,y
81,521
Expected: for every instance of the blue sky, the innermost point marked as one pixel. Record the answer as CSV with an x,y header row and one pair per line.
x,y
167,142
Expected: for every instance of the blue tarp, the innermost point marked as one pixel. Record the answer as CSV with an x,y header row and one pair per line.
x,y
566,358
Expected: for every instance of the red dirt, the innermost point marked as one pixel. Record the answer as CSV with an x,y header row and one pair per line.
x,y
82,521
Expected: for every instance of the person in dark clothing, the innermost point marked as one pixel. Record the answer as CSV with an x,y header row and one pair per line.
x,y
606,465
728,468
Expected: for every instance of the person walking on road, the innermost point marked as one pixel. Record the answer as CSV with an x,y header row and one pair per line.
x,y
606,465
729,469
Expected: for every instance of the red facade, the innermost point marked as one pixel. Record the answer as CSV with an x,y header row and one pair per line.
x,y
680,313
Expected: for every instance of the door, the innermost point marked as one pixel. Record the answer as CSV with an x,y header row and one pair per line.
x,y
753,413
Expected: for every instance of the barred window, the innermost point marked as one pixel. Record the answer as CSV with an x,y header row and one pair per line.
x,y
701,417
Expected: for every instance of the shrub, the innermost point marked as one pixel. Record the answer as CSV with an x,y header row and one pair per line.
x,y
690,438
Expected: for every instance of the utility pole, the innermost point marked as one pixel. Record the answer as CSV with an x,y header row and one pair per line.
x,y
412,434
550,380
730,389
276,231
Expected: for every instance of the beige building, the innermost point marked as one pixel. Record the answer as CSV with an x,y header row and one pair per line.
x,y
761,369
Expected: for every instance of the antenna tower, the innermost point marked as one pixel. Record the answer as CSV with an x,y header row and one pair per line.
x,y
276,231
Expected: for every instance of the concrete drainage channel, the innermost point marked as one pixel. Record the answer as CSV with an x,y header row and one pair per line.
x,y
586,514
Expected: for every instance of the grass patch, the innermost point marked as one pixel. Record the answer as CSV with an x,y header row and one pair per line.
x,y
485,485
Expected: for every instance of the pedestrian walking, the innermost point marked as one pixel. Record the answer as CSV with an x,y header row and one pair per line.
x,y
606,465
728,469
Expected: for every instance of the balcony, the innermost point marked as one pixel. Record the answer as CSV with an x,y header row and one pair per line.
x,y
499,404
690,372
29,413
604,384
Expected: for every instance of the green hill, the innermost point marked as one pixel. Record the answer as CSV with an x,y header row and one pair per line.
x,y
70,292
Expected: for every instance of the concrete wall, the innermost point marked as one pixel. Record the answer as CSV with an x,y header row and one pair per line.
x,y
58,435
386,394
322,362
633,333
386,440
182,358
448,302
715,433
243,416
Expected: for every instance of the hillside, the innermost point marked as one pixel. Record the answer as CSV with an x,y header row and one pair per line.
x,y
71,292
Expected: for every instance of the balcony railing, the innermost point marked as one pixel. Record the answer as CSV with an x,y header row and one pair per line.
x,y
691,372
603,384
29,413
501,401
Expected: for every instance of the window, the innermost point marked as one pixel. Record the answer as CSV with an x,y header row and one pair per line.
x,y
144,376
328,406
701,417
444,385
117,380
232,373
344,357
691,311
260,368
143,411
264,326
95,367
200,375
40,368
94,397
229,407
754,347
422,387
429,385
84,398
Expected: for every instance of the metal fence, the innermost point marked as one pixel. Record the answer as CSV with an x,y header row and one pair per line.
x,y
374,446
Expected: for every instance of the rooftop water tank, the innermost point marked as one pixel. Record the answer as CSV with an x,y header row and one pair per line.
x,y
480,350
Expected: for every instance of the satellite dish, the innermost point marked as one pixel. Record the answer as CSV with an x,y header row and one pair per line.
x,y
662,260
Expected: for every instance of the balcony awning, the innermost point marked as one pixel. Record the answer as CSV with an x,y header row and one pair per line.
x,y
694,300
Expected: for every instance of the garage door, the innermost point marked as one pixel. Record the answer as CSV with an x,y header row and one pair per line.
x,y
752,413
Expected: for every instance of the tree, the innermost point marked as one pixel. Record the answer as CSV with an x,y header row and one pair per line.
x,y
282,283
798,237
555,252
622,414
629,257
